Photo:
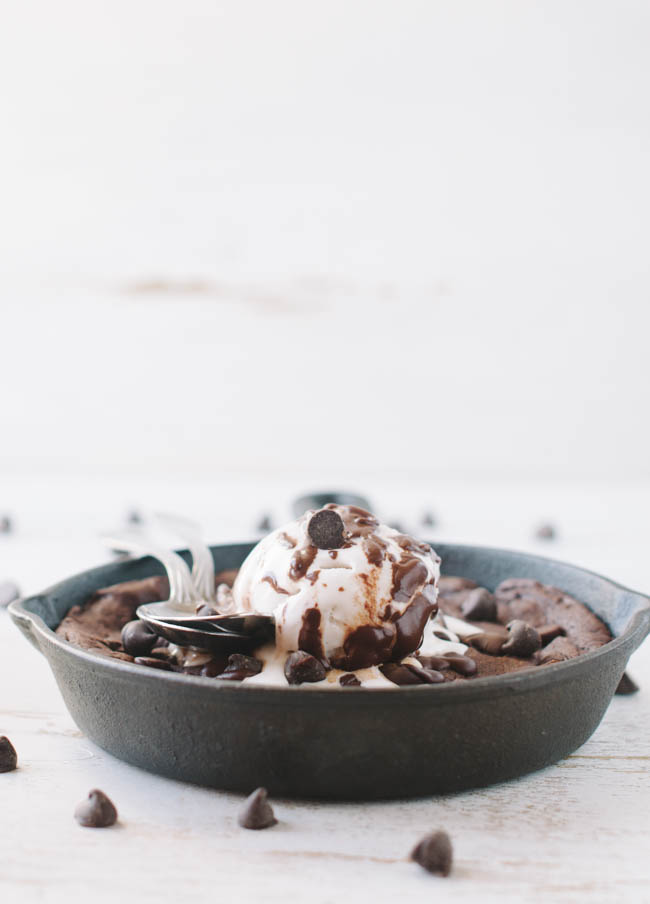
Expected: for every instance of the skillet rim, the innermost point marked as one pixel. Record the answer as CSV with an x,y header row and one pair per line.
x,y
525,680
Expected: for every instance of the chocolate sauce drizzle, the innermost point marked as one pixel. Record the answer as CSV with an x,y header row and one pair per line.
x,y
285,540
375,550
301,562
271,579
357,521
309,638
408,574
399,633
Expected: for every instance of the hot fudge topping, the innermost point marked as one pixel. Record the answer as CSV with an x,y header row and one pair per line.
x,y
366,605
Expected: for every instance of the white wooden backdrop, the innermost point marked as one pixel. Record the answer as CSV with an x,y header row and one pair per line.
x,y
294,236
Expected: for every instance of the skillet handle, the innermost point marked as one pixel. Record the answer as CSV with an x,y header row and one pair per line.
x,y
24,620
642,615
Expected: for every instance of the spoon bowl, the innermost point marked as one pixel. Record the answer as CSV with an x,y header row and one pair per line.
x,y
217,633
216,641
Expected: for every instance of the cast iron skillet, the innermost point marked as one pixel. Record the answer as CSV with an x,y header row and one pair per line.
x,y
349,743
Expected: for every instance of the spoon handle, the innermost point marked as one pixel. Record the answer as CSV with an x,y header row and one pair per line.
x,y
181,587
202,562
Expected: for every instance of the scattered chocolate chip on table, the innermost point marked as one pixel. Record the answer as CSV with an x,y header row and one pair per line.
x,y
627,686
257,812
97,811
434,853
8,755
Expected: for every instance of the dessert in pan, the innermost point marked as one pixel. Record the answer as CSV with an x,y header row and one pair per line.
x,y
341,600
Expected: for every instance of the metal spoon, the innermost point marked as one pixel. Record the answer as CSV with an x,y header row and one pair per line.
x,y
176,619
215,641
202,562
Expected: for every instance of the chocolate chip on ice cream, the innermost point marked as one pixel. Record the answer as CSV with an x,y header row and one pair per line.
x,y
434,853
8,755
326,530
257,812
303,668
349,680
138,639
96,812
523,640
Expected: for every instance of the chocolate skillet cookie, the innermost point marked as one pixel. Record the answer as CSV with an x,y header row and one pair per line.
x,y
523,624
107,624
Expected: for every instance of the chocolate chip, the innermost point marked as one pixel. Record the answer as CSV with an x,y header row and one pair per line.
x,y
206,610
257,812
210,669
547,633
428,676
349,680
452,584
545,532
479,605
96,812
303,668
523,640
8,593
6,524
326,529
138,639
163,653
265,524
405,674
8,755
626,685
240,667
464,665
488,642
434,853
433,662
558,650
153,663
400,674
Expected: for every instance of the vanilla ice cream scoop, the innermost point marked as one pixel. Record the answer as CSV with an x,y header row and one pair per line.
x,y
341,586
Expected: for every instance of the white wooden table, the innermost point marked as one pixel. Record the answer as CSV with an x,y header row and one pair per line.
x,y
577,831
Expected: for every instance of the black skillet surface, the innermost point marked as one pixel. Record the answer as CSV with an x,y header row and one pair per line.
x,y
350,743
